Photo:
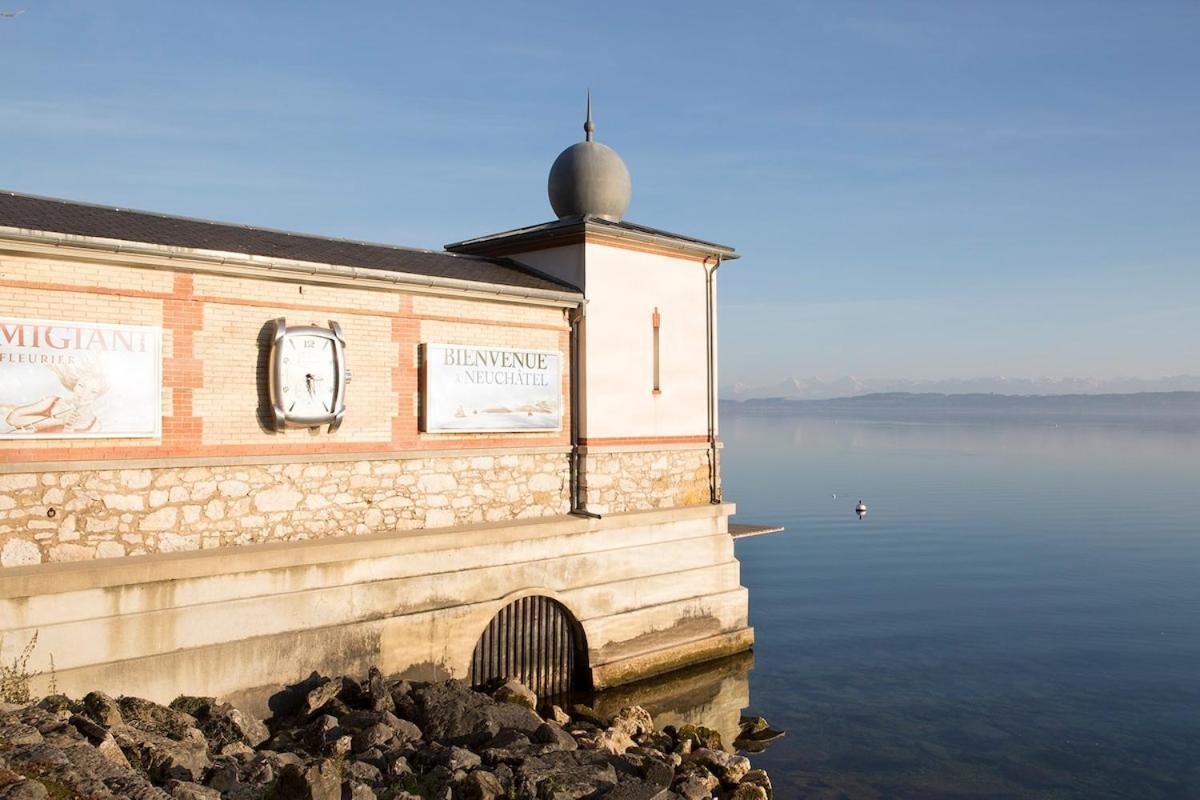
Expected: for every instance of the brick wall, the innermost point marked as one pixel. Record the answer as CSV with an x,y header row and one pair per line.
x,y
218,475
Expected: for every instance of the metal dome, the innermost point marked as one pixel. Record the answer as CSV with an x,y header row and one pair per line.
x,y
589,179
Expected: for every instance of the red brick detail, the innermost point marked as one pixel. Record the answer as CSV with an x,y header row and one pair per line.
x,y
183,315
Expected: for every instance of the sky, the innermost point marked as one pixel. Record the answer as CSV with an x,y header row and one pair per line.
x,y
918,190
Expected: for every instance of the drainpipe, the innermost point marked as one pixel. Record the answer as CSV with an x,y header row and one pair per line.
x,y
714,464
578,501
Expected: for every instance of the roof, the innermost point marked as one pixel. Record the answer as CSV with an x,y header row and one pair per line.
x,y
567,228
52,215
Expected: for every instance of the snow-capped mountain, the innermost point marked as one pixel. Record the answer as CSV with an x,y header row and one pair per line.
x,y
816,388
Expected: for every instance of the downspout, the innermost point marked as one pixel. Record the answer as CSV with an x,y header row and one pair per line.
x,y
714,464
578,500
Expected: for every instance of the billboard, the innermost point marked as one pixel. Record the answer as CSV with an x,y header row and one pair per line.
x,y
471,389
79,380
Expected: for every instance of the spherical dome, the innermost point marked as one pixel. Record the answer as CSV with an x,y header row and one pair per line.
x,y
589,179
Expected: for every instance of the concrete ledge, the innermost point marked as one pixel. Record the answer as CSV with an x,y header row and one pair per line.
x,y
58,578
17,467
667,659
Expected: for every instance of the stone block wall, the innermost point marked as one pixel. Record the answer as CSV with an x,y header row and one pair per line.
x,y
72,516
640,480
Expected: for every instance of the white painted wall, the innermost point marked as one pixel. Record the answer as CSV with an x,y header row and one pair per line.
x,y
623,287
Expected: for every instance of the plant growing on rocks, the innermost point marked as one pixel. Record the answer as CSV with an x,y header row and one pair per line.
x,y
15,678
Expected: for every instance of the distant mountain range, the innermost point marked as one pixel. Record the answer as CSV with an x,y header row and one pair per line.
x,y
849,386
1177,406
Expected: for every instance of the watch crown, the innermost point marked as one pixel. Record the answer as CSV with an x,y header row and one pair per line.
x,y
348,375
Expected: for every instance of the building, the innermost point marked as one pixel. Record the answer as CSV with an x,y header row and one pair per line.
x,y
518,473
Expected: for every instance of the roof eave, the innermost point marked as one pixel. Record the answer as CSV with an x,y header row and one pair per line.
x,y
281,268
568,231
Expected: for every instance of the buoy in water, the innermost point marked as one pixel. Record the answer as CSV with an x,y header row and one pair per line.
x,y
861,509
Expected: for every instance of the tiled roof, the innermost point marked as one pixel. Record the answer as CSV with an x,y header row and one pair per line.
x,y
83,219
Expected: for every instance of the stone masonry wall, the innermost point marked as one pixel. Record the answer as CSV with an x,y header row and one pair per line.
x,y
70,516
646,479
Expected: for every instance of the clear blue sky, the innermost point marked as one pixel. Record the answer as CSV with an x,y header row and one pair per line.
x,y
919,190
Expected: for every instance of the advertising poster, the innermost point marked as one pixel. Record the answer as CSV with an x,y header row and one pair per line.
x,y
471,389
77,380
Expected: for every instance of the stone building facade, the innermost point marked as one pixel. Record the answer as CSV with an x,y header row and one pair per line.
x,y
226,554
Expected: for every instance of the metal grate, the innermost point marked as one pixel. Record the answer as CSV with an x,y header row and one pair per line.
x,y
536,641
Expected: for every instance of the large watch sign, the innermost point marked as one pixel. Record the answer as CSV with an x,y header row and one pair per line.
x,y
471,389
79,380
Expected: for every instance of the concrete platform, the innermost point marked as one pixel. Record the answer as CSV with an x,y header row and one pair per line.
x,y
651,590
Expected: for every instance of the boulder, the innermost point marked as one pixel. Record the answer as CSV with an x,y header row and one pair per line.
x,y
566,776
163,758
481,785
634,721
319,781
451,712
758,777
513,691
553,738
102,709
729,768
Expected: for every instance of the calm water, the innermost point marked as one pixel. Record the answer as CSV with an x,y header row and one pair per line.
x,y
1017,616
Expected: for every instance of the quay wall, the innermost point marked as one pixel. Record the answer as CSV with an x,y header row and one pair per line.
x,y
651,591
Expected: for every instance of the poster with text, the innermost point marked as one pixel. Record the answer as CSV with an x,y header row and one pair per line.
x,y
471,389
76,380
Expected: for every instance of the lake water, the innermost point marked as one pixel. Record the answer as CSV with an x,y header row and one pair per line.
x,y
1018,615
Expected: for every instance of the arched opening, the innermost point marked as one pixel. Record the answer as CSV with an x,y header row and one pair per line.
x,y
537,641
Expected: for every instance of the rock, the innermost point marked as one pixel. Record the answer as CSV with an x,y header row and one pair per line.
x,y
560,716
14,733
249,729
513,691
729,768
163,758
373,736
405,730
613,741
481,785
100,738
377,692
317,697
760,779
638,790
634,721
586,714
103,709
461,758
694,787
364,772
554,738
565,776
183,790
451,712
352,790
153,718
320,781
223,778
23,789
748,791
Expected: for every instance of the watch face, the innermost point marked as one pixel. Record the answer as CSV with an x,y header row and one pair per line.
x,y
309,376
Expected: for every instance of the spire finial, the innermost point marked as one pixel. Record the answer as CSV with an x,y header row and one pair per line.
x,y
589,126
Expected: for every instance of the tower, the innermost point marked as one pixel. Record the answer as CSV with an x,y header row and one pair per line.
x,y
644,377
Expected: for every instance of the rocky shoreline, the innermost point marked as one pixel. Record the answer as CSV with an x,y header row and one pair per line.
x,y
376,739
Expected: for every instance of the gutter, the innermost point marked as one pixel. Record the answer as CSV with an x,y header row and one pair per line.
x,y
243,265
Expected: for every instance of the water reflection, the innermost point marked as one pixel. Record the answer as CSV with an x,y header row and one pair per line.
x,y
713,694
1021,618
